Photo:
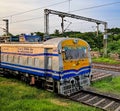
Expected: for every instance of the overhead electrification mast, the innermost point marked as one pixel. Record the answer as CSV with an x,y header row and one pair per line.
x,y
63,14
7,26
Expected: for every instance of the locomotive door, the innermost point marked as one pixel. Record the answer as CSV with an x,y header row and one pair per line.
x,y
48,59
49,83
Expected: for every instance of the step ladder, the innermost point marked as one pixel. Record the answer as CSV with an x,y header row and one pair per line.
x,y
49,84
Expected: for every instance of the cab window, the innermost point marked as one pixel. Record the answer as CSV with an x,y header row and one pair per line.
x,y
75,52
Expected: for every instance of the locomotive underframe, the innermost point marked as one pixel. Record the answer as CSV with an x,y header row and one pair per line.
x,y
65,87
74,84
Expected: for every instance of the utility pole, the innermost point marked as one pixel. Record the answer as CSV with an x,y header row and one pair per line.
x,y
46,24
105,40
97,28
69,5
7,26
62,24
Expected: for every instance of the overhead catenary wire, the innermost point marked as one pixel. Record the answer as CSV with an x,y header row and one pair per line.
x,y
35,9
97,6
113,19
82,9
27,19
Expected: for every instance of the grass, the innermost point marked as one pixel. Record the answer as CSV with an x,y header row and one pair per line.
x,y
17,96
108,85
105,60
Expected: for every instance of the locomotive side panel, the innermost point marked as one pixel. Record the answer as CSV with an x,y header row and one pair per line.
x,y
51,63
31,60
23,58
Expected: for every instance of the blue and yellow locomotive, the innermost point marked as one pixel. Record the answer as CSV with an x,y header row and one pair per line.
x,y
61,65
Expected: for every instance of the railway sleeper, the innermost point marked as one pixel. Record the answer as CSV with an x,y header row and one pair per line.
x,y
102,101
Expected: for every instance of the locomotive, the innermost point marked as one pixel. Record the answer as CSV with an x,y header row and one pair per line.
x,y
61,65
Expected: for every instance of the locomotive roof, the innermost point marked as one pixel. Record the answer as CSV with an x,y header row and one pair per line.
x,y
22,44
54,41
49,43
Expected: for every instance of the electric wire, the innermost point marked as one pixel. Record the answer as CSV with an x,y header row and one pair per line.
x,y
70,11
27,19
97,6
82,9
35,9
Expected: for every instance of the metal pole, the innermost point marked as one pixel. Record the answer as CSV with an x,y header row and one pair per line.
x,y
97,28
46,23
105,40
69,6
7,26
62,24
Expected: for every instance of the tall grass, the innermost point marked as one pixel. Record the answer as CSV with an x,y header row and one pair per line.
x,y
109,85
105,60
17,96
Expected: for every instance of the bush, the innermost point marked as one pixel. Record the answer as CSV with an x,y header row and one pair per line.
x,y
114,47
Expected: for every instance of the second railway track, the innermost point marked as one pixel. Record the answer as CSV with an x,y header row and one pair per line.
x,y
106,67
104,102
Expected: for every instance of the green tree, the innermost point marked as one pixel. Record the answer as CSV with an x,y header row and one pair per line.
x,y
56,32
116,37
39,34
114,30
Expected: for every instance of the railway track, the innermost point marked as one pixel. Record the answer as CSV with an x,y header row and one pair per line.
x,y
104,102
99,74
106,67
91,98
100,71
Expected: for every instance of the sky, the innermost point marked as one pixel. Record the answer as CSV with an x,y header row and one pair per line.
x,y
26,16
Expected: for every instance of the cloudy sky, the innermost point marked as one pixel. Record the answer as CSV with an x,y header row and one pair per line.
x,y
27,16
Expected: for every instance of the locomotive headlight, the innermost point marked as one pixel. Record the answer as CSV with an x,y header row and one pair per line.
x,y
75,41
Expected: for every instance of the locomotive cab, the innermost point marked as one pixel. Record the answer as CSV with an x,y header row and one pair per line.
x,y
75,66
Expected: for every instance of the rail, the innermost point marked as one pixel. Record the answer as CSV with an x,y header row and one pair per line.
x,y
95,99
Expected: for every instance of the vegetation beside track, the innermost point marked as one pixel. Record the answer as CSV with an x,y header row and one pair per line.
x,y
17,96
108,85
105,60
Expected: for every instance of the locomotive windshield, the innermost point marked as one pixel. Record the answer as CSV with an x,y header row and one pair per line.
x,y
75,53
